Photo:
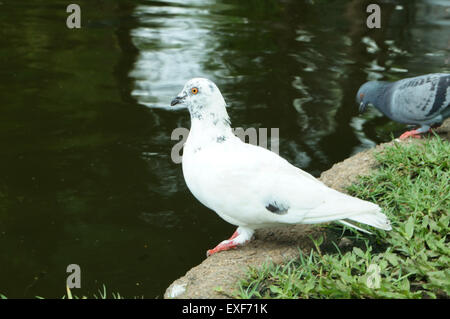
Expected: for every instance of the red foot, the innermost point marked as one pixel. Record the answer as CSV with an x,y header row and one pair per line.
x,y
224,246
412,133
221,247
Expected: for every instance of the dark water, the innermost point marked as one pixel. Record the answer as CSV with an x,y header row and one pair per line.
x,y
85,169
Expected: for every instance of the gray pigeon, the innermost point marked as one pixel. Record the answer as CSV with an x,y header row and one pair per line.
x,y
422,100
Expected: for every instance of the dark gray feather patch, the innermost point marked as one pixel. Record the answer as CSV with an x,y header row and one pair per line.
x,y
277,208
441,95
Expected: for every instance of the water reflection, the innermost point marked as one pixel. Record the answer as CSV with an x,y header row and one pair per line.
x,y
173,42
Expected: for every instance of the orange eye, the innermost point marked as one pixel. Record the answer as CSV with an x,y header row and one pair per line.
x,y
361,96
194,90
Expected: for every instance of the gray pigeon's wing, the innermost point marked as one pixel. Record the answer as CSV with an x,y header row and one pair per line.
x,y
420,99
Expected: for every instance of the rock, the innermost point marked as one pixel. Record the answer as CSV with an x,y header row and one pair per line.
x,y
216,276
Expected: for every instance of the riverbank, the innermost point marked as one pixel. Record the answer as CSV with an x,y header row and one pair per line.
x,y
219,275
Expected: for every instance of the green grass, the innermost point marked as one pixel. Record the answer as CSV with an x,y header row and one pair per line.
x,y
411,184
102,294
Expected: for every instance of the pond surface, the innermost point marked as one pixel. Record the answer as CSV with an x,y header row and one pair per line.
x,y
86,175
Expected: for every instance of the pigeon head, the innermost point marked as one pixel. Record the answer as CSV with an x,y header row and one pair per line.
x,y
368,94
202,98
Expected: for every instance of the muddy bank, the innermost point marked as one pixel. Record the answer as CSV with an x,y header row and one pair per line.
x,y
216,276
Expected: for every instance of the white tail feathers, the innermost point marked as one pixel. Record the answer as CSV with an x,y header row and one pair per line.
x,y
375,219
344,208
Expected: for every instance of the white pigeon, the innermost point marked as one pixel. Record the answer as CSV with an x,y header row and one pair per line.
x,y
250,186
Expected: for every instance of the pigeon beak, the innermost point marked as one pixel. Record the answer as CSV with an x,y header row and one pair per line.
x,y
362,107
178,100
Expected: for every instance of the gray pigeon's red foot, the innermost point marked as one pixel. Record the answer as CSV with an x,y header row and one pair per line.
x,y
413,133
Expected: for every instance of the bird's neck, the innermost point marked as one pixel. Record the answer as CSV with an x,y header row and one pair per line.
x,y
379,96
209,128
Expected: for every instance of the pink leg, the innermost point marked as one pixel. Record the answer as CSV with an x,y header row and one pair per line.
x,y
413,133
235,234
225,245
